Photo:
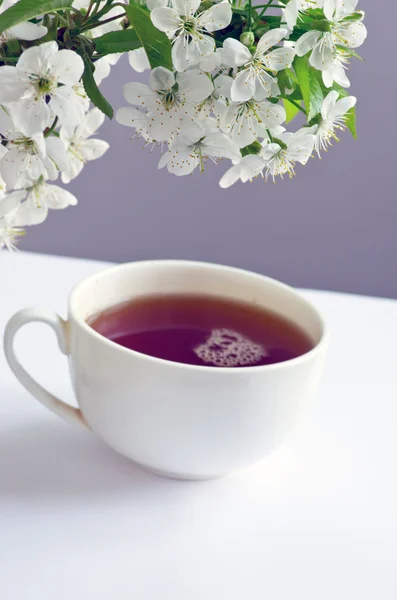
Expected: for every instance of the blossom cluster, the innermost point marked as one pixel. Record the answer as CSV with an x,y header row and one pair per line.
x,y
46,125
224,97
226,79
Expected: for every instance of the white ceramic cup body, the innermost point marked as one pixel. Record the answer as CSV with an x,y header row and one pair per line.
x,y
181,420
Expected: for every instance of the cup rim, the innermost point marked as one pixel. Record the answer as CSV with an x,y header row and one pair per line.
x,y
185,366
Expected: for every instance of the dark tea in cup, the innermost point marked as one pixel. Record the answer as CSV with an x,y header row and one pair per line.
x,y
202,330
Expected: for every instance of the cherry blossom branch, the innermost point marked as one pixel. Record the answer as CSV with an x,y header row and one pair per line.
x,y
265,7
100,23
297,105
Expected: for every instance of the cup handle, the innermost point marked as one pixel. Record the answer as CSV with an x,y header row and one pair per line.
x,y
29,315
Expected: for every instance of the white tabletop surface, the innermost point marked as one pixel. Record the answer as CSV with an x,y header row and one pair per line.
x,y
314,521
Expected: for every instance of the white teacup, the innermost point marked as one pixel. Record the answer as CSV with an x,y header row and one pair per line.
x,y
176,419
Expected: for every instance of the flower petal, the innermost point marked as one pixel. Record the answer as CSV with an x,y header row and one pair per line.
x,y
329,8
269,39
180,160
161,79
205,44
231,177
279,59
249,167
138,60
35,60
307,42
28,31
102,70
328,104
272,115
243,87
195,87
217,17
13,166
353,34
166,19
31,116
220,145
338,74
56,151
132,117
301,145
137,93
11,202
324,53
12,87
68,106
92,121
291,13
179,53
162,124
67,66
348,7
57,198
209,62
93,149
344,105
223,85
235,54
30,213
186,7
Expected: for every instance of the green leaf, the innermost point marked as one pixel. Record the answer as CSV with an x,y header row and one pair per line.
x,y
357,16
310,87
25,10
253,148
348,51
93,91
291,109
351,116
351,122
155,42
117,41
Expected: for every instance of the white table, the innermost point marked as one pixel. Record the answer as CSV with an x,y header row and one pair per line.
x,y
315,521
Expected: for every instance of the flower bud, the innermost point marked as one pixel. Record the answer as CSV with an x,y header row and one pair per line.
x,y
247,38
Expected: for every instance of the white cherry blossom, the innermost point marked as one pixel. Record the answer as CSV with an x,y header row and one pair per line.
x,y
258,69
169,100
247,169
282,153
337,72
10,229
333,117
217,102
81,147
40,87
343,31
204,141
247,121
191,32
39,198
29,158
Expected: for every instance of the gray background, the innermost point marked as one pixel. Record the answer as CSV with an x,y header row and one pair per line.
x,y
333,226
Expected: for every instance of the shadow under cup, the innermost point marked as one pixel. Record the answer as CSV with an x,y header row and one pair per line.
x,y
184,420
